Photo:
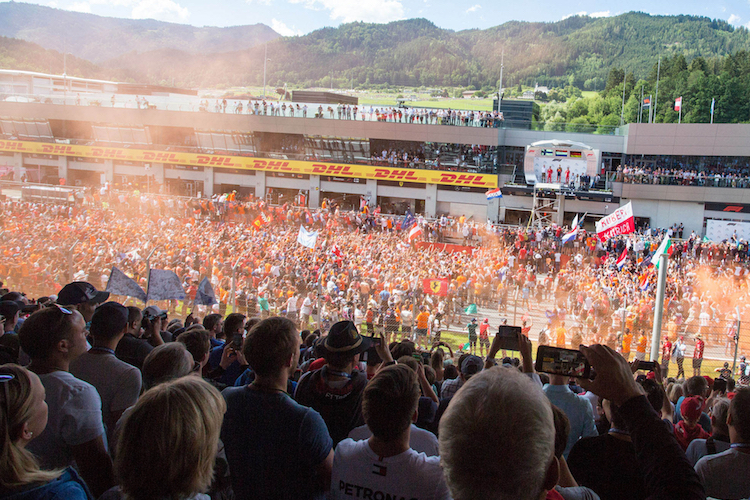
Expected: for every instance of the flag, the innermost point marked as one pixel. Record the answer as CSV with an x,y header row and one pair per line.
x,y
415,232
435,286
120,284
336,251
647,102
621,221
644,283
570,236
471,309
665,247
494,193
164,285
307,238
261,220
621,259
678,104
574,224
205,295
408,221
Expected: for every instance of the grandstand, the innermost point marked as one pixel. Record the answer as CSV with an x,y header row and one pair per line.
x,y
423,165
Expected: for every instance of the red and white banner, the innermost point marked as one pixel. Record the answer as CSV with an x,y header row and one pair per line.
x,y
621,221
678,104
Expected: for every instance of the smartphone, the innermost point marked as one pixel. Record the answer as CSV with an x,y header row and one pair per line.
x,y
506,338
237,342
649,366
720,385
566,362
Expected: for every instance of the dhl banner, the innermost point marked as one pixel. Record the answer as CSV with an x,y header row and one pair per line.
x,y
261,164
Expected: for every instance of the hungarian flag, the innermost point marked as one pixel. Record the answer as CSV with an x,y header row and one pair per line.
x,y
665,248
261,220
435,286
415,232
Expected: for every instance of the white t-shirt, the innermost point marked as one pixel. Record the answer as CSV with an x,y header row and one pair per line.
x,y
75,417
306,306
360,473
420,440
407,318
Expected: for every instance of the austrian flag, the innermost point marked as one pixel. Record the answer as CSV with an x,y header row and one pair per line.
x,y
415,233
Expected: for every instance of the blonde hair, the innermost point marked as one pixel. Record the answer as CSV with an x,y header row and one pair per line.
x,y
168,443
18,467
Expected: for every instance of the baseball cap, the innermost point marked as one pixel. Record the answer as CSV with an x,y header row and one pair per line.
x,y
691,407
344,339
154,312
79,292
9,308
471,366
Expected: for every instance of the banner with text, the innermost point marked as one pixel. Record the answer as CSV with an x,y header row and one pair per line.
x,y
250,163
621,221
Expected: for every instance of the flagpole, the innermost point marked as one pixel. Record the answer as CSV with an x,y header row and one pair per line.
x,y
70,261
656,99
659,305
148,272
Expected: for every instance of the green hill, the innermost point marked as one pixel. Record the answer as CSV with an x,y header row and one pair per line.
x,y
577,50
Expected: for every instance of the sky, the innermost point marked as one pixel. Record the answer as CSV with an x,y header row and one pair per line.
x,y
298,17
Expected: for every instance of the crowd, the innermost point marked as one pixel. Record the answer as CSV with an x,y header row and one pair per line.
x,y
710,176
330,376
113,402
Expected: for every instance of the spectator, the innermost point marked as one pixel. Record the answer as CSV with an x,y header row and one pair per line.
x,y
167,362
576,408
214,324
9,345
198,343
719,440
566,486
117,382
694,387
726,475
82,297
470,365
233,333
608,463
23,413
168,444
501,409
132,348
53,338
275,447
335,390
385,463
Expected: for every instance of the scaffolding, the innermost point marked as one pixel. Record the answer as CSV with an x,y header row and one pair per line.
x,y
545,209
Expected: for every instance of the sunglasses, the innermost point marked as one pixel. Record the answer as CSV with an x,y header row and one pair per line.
x,y
6,377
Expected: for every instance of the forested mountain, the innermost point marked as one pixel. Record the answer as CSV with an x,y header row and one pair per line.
x,y
701,58
98,38
577,50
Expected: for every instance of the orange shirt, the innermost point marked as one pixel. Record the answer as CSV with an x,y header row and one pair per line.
x,y
626,341
422,319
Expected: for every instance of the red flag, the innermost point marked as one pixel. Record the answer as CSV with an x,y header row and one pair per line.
x,y
261,220
678,104
435,286
415,232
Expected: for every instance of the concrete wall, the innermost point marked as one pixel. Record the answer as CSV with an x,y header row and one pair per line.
x,y
696,139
